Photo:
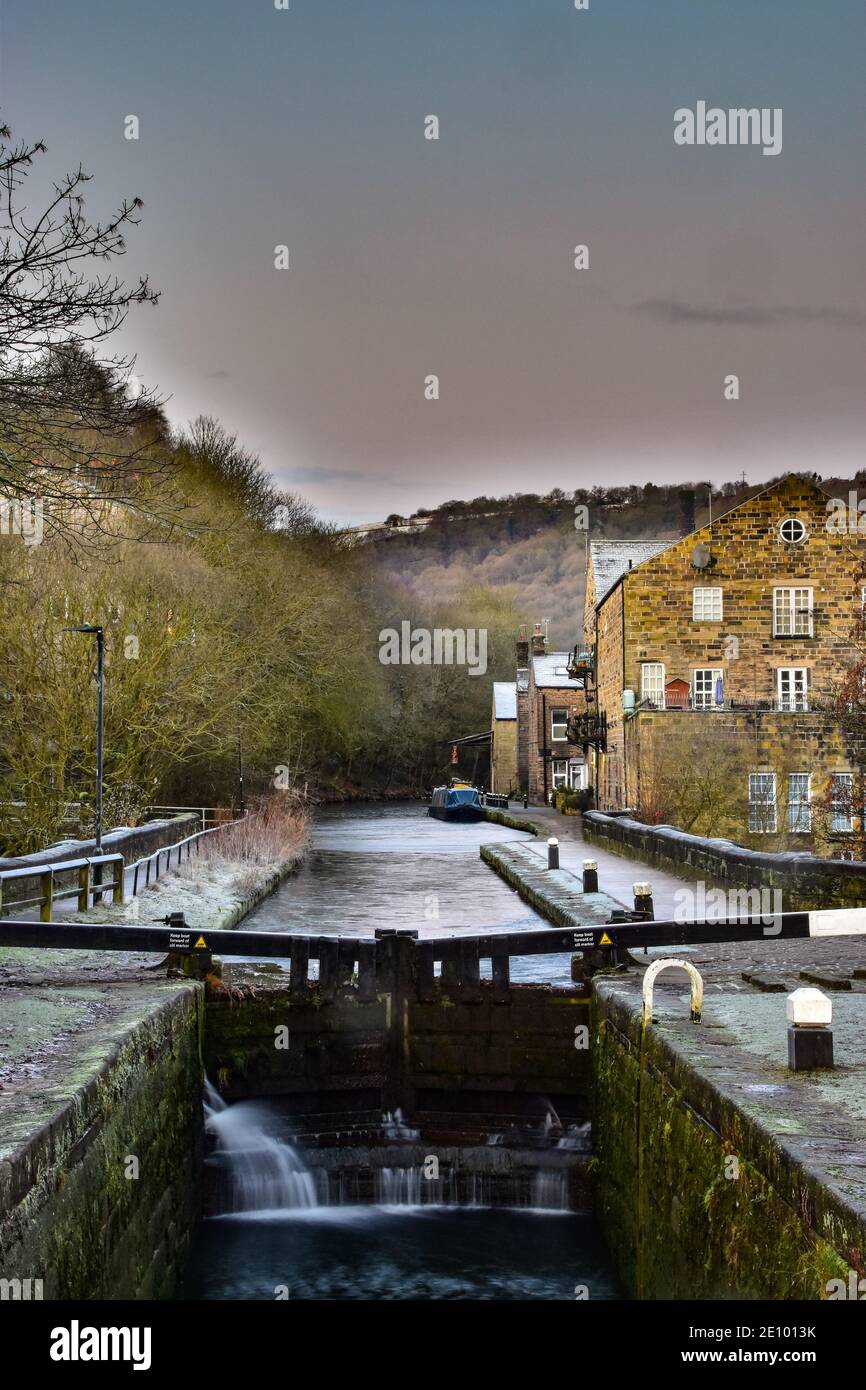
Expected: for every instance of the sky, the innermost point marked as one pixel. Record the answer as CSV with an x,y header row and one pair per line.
x,y
411,257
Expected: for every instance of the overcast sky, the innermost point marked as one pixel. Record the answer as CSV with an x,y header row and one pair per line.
x,y
410,257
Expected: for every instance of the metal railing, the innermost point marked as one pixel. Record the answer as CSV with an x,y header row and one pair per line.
x,y
212,814
51,891
167,850
89,886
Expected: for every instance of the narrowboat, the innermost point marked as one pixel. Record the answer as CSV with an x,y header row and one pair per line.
x,y
459,802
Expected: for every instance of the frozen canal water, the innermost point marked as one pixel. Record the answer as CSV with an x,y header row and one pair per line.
x,y
394,866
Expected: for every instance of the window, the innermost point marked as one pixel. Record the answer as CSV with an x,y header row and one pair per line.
x,y
799,799
707,688
793,531
792,688
706,605
792,612
577,775
841,801
762,803
559,725
652,683
560,773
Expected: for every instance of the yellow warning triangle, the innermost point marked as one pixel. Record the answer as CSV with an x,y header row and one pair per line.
x,y
605,940
201,942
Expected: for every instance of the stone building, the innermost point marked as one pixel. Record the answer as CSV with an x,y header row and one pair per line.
x,y
553,699
732,639
503,744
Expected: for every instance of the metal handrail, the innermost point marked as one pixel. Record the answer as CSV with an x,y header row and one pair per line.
x,y
83,891
188,840
86,887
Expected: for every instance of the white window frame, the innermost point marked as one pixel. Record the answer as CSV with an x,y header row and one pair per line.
x,y
703,698
800,807
846,814
707,605
577,776
792,521
559,774
762,803
559,724
653,689
792,689
792,617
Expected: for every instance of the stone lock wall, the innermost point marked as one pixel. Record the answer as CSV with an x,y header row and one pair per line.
x,y
664,1131
72,1213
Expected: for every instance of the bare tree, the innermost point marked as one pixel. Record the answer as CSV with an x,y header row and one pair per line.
x,y
75,428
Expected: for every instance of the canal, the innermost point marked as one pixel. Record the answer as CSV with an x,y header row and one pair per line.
x,y
391,866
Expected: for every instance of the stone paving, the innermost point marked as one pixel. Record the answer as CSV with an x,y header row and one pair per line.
x,y
616,875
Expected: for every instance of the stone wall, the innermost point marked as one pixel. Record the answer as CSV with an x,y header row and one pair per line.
x,y
71,1213
680,1221
133,842
804,880
503,757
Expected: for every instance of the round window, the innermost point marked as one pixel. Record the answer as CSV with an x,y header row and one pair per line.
x,y
793,531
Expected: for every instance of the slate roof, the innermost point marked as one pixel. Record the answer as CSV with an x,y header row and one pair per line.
x,y
610,560
546,670
504,700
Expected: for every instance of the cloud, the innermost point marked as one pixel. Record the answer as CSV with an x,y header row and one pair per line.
x,y
678,313
219,375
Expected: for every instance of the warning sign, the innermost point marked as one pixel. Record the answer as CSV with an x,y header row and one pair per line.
x,y
179,940
583,938
201,944
605,940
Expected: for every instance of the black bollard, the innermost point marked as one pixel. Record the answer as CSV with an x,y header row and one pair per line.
x,y
643,899
590,876
810,1037
553,853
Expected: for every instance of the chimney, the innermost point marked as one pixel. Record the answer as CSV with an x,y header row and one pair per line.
x,y
538,640
522,648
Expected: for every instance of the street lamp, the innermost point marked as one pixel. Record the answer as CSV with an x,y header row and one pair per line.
x,y
100,693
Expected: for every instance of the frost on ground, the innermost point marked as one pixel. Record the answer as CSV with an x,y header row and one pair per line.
x,y
234,864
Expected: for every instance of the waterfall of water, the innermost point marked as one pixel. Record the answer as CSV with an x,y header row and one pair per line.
x,y
265,1174
549,1192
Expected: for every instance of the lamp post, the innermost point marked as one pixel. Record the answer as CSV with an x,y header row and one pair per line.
x,y
100,719
242,808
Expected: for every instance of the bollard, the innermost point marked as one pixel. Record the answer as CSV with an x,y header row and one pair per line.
x,y
590,875
643,898
810,1037
525,801
553,853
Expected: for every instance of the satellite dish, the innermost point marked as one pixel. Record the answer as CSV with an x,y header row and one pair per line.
x,y
701,557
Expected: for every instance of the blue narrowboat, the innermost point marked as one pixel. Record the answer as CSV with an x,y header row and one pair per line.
x,y
459,802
